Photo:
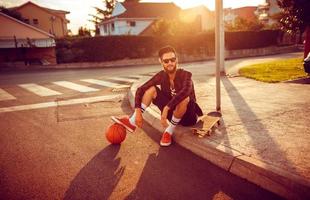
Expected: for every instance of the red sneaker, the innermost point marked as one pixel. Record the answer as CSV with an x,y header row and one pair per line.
x,y
125,122
165,139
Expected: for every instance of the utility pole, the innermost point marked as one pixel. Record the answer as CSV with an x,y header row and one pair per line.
x,y
219,50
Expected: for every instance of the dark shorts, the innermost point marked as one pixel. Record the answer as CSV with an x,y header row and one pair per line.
x,y
190,116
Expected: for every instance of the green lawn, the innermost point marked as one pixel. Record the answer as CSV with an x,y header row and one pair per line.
x,y
275,71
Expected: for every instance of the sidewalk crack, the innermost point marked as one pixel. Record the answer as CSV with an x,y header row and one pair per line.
x,y
233,160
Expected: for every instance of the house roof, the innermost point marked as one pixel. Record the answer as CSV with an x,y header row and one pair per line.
x,y
48,35
50,11
149,10
148,30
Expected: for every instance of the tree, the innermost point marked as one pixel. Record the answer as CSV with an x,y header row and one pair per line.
x,y
102,14
96,20
83,31
241,24
165,27
106,12
295,17
11,13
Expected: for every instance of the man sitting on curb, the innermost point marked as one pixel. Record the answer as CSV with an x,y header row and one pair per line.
x,y
172,91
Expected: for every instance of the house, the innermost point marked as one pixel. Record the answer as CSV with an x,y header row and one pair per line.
x,y
267,10
200,18
21,42
49,20
136,18
249,13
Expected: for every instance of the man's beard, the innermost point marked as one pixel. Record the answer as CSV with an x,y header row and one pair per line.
x,y
171,71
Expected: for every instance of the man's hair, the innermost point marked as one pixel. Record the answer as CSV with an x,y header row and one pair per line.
x,y
166,49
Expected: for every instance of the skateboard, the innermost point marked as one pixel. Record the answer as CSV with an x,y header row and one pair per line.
x,y
206,124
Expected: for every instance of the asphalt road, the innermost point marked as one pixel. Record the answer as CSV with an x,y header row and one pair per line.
x,y
54,148
203,68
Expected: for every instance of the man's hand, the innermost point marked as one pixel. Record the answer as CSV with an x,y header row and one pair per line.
x,y
164,115
139,118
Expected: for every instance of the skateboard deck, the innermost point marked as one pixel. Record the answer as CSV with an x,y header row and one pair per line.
x,y
206,124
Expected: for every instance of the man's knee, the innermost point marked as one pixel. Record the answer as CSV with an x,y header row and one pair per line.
x,y
151,92
183,104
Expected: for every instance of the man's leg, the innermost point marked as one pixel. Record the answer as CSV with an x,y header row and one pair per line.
x,y
178,113
129,123
147,99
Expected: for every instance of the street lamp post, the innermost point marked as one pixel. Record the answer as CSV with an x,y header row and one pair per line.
x,y
219,50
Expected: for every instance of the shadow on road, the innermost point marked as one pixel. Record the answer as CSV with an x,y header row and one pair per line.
x,y
301,81
98,178
175,173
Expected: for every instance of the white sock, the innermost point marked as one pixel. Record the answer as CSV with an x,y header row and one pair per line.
x,y
173,123
132,119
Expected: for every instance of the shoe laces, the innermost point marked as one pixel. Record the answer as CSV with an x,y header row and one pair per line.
x,y
166,136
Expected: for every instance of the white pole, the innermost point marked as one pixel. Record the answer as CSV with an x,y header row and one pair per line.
x,y
219,50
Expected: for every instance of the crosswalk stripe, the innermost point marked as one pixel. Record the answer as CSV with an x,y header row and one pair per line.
x,y
105,83
151,73
74,86
136,76
39,90
4,95
130,80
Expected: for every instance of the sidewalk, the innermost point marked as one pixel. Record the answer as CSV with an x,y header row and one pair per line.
x,y
264,134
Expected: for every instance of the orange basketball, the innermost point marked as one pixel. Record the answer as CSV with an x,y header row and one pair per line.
x,y
116,133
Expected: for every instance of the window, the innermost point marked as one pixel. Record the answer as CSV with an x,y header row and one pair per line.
x,y
26,21
131,23
112,26
35,21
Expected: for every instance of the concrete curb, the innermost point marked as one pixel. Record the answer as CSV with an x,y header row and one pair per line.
x,y
266,175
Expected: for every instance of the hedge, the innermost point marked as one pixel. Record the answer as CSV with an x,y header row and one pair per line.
x,y
96,49
251,39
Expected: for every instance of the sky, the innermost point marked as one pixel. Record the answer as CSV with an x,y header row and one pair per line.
x,y
80,9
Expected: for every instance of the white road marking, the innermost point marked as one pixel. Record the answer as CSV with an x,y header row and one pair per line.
x,y
4,95
152,73
136,76
105,83
74,86
62,103
39,90
130,80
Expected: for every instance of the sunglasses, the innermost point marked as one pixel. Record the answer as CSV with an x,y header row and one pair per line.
x,y
166,61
